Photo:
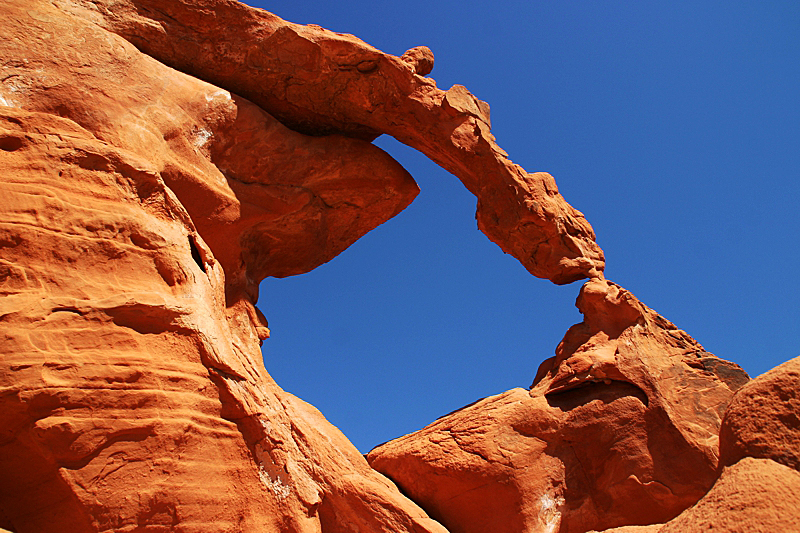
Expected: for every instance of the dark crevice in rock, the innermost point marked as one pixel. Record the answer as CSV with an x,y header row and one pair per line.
x,y
589,391
196,254
68,310
10,143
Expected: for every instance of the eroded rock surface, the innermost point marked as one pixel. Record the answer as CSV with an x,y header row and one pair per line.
x,y
159,159
763,419
140,207
150,182
627,411
757,495
320,82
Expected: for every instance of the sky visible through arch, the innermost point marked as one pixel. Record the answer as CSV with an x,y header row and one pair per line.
x,y
673,126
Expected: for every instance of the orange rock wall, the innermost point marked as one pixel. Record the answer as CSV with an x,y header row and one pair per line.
x,y
157,164
139,209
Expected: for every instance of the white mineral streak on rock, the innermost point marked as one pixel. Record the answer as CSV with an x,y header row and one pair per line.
x,y
218,94
550,513
201,137
275,484
278,488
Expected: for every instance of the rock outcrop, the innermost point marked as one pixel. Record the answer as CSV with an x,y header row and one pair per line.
x,y
140,207
159,159
754,495
618,433
628,410
763,419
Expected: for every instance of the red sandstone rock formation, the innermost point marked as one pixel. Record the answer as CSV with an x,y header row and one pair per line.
x,y
759,489
320,82
763,419
627,411
754,495
155,169
140,207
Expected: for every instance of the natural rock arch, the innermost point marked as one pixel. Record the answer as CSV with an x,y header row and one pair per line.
x,y
142,206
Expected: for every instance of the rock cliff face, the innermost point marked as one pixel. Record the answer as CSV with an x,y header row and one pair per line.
x,y
136,224
154,170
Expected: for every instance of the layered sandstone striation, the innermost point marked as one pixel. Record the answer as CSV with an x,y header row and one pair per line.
x,y
140,208
159,159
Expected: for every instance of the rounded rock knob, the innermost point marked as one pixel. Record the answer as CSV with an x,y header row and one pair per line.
x,y
421,58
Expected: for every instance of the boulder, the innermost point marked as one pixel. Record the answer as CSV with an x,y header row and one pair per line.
x,y
763,419
754,495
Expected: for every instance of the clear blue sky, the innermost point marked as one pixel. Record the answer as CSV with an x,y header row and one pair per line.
x,y
674,126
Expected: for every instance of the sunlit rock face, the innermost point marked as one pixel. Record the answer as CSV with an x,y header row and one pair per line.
x,y
160,158
320,82
145,197
157,164
759,485
139,209
627,411
752,495
763,419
